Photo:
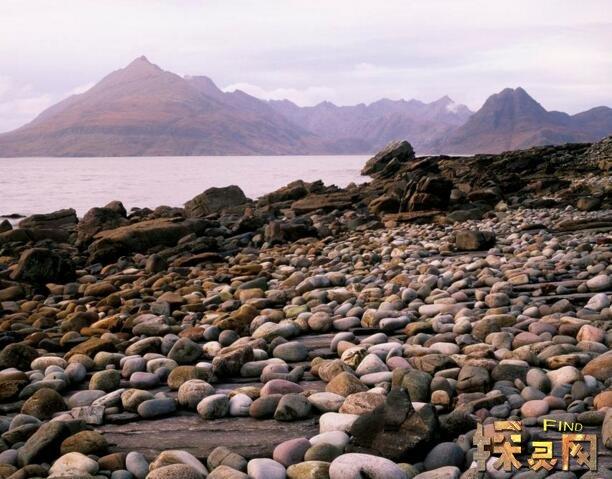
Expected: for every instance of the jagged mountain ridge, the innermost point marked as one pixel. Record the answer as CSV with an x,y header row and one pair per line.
x,y
143,110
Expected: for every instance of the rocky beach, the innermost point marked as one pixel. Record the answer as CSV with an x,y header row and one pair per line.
x,y
317,332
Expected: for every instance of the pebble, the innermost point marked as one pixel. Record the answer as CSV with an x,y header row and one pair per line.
x,y
445,454
356,466
214,406
136,464
262,468
292,407
73,464
326,402
291,452
156,407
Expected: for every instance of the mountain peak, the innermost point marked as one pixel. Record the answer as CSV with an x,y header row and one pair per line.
x,y
138,69
444,100
514,99
141,63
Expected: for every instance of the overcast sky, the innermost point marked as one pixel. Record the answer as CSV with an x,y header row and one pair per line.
x,y
345,51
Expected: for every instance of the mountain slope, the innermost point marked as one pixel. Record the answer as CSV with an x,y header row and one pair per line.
x,y
512,120
144,110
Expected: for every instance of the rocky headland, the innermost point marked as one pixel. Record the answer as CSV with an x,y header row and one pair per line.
x,y
317,332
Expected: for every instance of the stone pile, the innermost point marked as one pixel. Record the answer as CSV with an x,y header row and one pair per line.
x,y
209,342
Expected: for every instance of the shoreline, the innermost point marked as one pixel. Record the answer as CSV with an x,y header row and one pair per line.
x,y
317,332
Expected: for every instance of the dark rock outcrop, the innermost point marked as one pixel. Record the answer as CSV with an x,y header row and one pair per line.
x,y
99,219
64,219
40,266
387,161
139,237
215,200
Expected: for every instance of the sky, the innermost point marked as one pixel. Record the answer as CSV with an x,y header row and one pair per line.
x,y
344,51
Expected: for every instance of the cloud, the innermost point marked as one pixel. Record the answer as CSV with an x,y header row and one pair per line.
x,y
306,97
81,88
354,50
19,103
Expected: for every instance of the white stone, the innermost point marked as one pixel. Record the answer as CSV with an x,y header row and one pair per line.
x,y
73,464
333,421
357,466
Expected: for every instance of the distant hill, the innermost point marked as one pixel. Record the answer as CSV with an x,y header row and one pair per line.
x,y
142,110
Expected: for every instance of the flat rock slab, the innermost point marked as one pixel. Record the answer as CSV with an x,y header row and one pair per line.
x,y
246,436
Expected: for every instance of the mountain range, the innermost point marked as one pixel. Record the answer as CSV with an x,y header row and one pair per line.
x,y
143,110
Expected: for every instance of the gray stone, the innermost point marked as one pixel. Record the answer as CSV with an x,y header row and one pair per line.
x,y
156,407
445,454
136,463
292,407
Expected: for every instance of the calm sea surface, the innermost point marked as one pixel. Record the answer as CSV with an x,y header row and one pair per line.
x,y
42,185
